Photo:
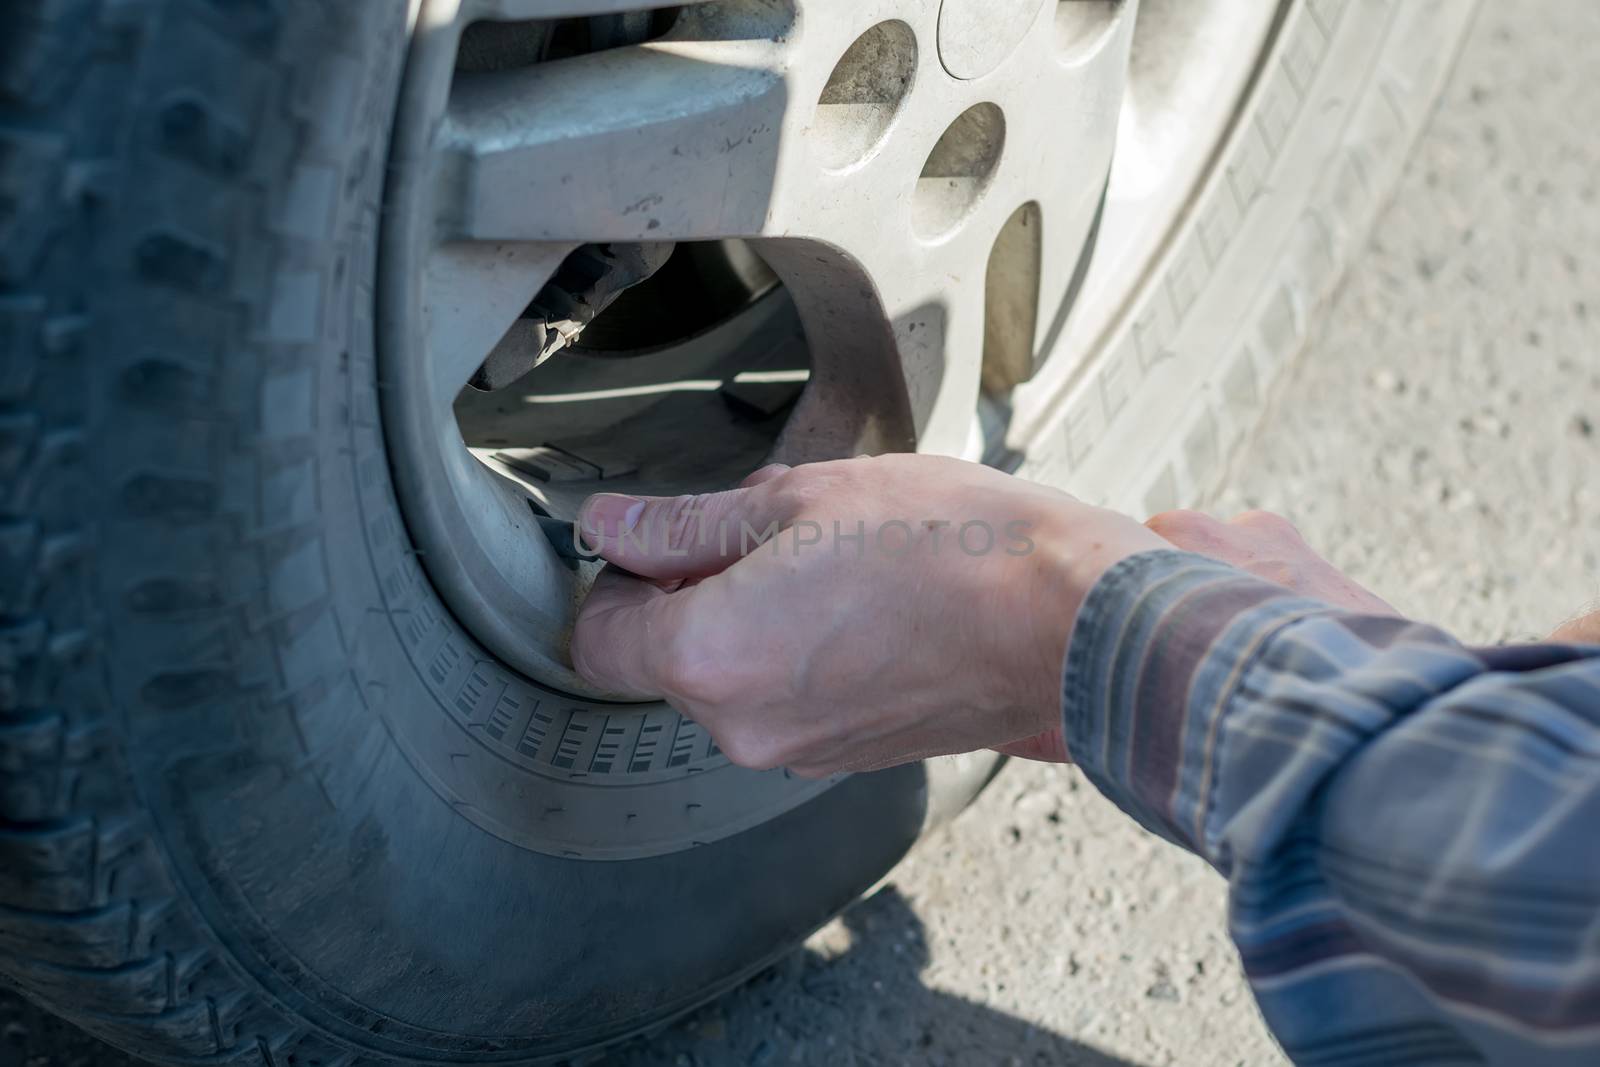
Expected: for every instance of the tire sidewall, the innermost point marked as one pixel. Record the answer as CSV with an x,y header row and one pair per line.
x,y
286,673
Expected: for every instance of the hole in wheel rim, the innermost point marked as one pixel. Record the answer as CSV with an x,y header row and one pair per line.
x,y
863,95
1011,301
958,169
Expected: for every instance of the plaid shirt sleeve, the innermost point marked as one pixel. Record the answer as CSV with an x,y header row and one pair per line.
x,y
1410,828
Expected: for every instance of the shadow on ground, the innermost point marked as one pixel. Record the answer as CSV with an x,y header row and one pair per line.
x,y
854,998
857,995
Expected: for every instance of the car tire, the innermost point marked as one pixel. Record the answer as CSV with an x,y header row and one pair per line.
x,y
226,681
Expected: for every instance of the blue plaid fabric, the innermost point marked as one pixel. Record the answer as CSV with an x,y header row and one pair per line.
x,y
1410,828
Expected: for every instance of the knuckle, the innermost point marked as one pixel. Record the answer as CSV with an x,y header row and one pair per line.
x,y
1182,524
679,522
770,472
746,749
684,678
695,678
1278,572
807,490
583,649
1264,521
795,496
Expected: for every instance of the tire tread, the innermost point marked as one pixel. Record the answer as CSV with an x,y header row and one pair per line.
x,y
91,925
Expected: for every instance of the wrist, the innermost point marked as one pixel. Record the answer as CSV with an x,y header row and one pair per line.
x,y
1074,550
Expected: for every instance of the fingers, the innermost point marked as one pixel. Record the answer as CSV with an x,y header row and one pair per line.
x,y
765,474
1583,630
1266,522
621,633
1236,541
1269,547
1192,531
686,537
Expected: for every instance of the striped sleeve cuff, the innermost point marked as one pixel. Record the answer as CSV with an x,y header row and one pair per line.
x,y
1159,645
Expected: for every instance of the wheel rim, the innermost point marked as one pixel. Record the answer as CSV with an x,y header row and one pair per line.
x,y
890,162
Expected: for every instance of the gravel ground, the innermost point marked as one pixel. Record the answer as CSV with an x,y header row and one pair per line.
x,y
1043,927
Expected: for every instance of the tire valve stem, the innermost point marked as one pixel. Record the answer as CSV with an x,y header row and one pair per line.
x,y
563,537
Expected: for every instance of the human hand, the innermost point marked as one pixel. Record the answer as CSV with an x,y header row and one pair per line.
x,y
941,630
1268,546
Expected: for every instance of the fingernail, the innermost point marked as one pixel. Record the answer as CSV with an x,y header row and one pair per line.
x,y
611,514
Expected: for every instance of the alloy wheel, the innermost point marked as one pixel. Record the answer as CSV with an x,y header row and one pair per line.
x,y
869,226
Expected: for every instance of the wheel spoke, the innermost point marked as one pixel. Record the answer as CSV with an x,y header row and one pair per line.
x,y
1067,150
937,338
894,351
666,141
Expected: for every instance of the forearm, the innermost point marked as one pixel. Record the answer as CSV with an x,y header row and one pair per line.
x,y
1396,794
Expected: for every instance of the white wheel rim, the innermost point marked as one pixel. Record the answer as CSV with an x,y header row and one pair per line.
x,y
884,256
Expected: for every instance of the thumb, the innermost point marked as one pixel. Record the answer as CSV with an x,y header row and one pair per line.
x,y
676,537
622,633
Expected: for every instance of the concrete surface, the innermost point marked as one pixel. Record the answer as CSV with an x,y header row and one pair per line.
x,y
1441,441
